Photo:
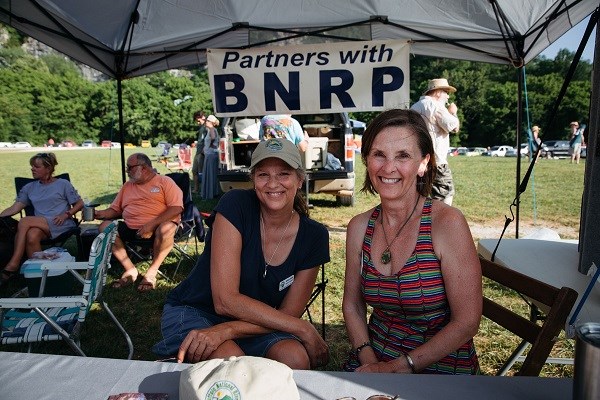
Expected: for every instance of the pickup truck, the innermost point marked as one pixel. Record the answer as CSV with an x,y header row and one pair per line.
x,y
330,135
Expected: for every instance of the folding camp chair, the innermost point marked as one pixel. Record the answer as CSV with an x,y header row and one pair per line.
x,y
318,290
41,319
189,228
184,160
558,302
60,240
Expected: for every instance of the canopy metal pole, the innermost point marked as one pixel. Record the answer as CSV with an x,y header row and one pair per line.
x,y
519,130
121,128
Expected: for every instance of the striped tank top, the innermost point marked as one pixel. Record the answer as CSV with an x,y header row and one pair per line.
x,y
410,307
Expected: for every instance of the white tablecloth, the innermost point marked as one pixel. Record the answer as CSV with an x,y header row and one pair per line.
x,y
39,377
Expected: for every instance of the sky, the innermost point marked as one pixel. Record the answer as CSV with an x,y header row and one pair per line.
x,y
571,40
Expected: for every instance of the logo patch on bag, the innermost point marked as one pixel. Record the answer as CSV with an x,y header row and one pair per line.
x,y
286,282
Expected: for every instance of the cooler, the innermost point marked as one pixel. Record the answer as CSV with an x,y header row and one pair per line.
x,y
58,283
315,156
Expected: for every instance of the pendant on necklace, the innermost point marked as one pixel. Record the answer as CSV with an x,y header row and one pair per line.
x,y
265,273
386,256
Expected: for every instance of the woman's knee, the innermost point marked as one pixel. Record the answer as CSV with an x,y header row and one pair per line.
x,y
34,235
291,353
227,349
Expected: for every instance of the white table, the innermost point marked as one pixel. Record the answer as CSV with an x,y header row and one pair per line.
x,y
41,376
549,261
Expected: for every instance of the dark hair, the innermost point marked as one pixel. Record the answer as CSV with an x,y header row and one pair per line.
x,y
300,204
199,114
142,158
47,159
413,121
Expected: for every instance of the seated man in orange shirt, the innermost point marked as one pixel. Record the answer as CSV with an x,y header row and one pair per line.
x,y
151,206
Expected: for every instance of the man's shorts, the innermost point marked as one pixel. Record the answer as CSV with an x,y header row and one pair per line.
x,y
442,183
177,321
127,234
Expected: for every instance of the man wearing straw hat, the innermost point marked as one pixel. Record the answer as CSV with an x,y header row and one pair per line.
x,y
440,118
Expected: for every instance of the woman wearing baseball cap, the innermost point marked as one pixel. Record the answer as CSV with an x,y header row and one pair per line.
x,y
251,284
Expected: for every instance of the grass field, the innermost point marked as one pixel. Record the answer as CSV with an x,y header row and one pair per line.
x,y
485,189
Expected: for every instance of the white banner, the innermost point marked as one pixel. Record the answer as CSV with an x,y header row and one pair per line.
x,y
306,79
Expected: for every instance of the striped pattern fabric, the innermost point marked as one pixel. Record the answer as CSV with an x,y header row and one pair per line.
x,y
22,327
410,307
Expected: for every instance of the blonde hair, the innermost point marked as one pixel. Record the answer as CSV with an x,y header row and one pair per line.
x,y
48,160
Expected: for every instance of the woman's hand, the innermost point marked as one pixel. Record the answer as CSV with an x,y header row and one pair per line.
x,y
397,366
60,219
199,344
315,346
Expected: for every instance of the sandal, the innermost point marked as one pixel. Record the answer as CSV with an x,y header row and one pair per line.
x,y
147,284
125,280
7,276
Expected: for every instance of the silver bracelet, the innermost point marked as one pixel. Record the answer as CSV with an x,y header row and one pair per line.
x,y
411,364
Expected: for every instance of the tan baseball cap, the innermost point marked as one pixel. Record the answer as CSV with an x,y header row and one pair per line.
x,y
235,378
278,148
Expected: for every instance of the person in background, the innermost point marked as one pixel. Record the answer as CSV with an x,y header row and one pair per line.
x,y
150,205
249,288
576,140
536,142
198,163
441,120
210,183
283,126
54,202
411,259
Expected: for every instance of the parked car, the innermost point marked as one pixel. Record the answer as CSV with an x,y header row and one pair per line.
x,y
513,152
129,145
145,144
461,151
22,145
105,143
88,143
476,151
6,144
555,148
115,144
330,135
498,151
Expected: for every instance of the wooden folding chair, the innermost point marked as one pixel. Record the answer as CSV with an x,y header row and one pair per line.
x,y
557,302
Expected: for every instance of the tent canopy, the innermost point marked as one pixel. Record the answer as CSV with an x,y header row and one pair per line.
x,y
128,38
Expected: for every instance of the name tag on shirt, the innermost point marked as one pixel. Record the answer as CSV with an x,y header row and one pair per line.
x,y
154,189
286,282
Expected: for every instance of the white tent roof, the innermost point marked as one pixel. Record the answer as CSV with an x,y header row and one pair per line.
x,y
127,38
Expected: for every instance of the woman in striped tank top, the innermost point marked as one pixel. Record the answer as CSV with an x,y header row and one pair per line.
x,y
410,259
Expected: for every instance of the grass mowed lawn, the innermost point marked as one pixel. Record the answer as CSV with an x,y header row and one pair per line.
x,y
485,189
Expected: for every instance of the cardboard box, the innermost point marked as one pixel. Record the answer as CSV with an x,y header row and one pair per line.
x,y
58,283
